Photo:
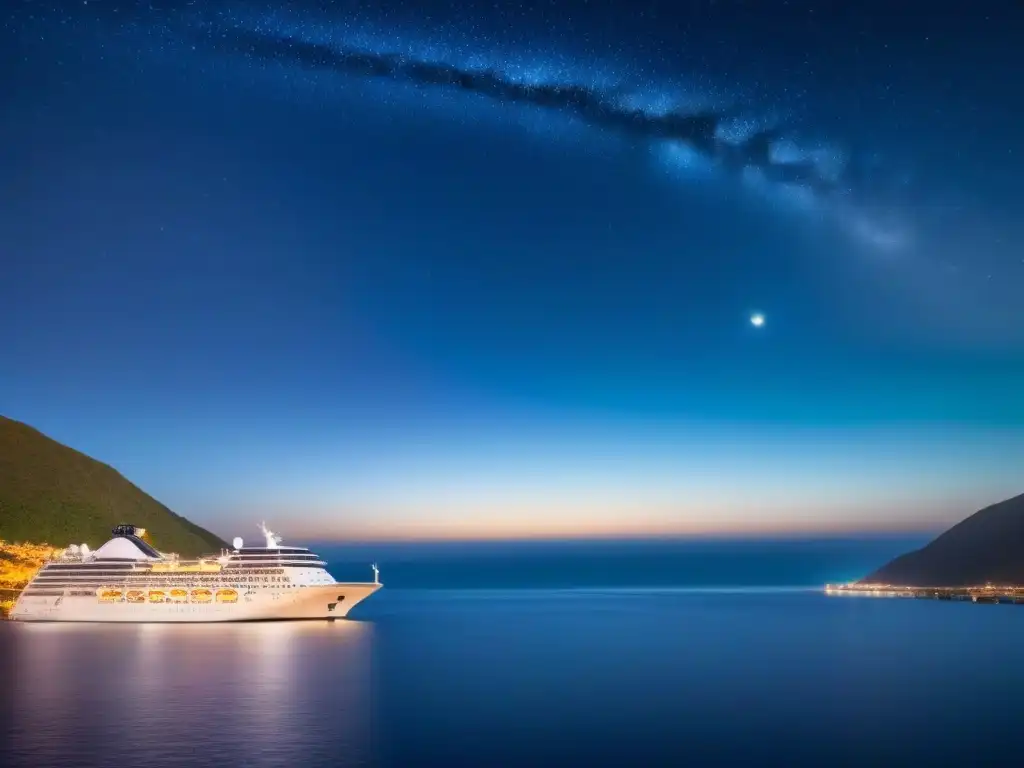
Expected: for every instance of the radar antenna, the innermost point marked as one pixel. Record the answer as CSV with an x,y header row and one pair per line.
x,y
376,574
273,540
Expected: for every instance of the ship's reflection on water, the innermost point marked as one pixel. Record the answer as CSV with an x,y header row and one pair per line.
x,y
164,694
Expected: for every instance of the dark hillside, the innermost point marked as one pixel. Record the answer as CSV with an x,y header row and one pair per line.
x,y
987,547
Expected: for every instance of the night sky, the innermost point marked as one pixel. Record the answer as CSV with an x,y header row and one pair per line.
x,y
490,269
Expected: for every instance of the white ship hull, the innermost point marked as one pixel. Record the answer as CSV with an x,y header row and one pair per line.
x,y
327,601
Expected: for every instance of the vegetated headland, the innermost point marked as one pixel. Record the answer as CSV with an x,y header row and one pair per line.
x,y
980,559
52,495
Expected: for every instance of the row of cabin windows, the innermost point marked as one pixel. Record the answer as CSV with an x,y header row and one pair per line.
x,y
146,575
274,550
103,569
78,590
85,572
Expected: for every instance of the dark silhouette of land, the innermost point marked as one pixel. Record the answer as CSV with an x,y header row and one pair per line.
x,y
53,494
987,547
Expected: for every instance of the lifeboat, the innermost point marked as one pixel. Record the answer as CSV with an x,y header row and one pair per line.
x,y
201,595
135,596
157,595
108,595
227,596
179,595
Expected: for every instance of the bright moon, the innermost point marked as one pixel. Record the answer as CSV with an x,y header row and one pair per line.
x,y
757,320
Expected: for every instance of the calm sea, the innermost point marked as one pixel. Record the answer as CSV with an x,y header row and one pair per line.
x,y
534,655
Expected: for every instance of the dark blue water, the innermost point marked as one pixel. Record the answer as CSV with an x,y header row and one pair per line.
x,y
638,563
489,675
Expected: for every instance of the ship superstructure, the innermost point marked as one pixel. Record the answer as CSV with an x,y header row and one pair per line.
x,y
127,580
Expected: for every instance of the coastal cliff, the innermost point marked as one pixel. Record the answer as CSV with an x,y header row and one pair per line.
x,y
987,547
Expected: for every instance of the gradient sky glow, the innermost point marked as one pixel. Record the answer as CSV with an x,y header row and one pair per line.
x,y
263,285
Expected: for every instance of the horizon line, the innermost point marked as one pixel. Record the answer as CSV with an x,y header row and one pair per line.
x,y
804,535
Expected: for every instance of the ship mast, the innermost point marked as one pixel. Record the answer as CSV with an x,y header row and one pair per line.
x,y
273,540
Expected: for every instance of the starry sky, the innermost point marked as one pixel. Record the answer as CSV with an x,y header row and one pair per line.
x,y
486,269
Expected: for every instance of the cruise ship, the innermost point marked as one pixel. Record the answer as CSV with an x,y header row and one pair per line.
x,y
127,580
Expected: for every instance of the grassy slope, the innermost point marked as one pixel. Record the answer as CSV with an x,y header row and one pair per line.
x,y
53,494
